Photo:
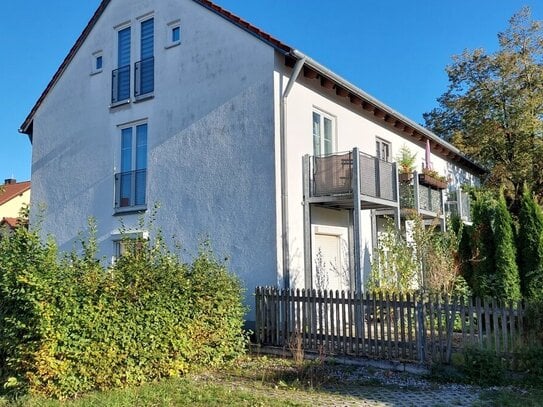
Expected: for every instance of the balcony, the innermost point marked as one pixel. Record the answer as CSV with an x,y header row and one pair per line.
x,y
120,84
144,77
130,190
419,198
332,180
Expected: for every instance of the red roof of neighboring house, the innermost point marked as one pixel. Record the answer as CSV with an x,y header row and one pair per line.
x,y
11,222
10,191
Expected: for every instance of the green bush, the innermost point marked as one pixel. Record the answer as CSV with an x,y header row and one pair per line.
x,y
529,361
68,326
483,366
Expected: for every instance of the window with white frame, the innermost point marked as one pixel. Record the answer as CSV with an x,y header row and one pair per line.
x,y
144,70
128,243
382,149
97,62
323,134
173,34
120,77
131,182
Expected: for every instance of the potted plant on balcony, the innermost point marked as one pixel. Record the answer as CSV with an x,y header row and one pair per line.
x,y
406,164
432,178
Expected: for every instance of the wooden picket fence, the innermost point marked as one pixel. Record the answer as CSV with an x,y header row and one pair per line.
x,y
408,327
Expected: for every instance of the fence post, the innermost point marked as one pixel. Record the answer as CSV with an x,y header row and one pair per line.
x,y
421,332
258,322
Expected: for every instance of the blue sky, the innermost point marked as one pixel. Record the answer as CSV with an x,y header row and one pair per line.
x,y
396,50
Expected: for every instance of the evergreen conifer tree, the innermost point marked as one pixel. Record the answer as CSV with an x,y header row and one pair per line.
x,y
506,282
482,244
530,247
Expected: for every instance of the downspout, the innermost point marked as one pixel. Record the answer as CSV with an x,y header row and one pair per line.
x,y
284,169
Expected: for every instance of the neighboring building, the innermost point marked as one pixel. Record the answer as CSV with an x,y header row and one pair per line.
x,y
238,136
13,197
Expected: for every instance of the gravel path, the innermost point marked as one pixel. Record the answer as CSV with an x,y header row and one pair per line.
x,y
359,386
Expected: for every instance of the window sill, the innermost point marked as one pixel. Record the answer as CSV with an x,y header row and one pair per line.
x,y
142,98
121,103
96,72
172,45
128,210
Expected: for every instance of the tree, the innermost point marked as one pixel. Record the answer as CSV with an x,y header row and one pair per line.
x,y
506,285
493,107
530,247
483,246
495,271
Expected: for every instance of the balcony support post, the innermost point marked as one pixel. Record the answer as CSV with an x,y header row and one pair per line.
x,y
416,191
396,183
357,231
442,209
308,260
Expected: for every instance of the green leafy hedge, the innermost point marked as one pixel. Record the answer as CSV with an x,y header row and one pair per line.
x,y
69,326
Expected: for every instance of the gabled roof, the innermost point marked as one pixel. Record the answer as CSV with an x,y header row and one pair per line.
x,y
10,191
312,70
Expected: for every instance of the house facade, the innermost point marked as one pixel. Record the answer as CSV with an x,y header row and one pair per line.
x,y
238,137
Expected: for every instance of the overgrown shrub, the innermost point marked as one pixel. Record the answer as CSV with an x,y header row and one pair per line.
x,y
483,366
68,326
394,268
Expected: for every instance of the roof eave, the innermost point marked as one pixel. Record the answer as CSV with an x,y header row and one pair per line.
x,y
25,128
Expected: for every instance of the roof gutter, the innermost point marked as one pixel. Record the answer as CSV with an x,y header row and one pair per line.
x,y
284,170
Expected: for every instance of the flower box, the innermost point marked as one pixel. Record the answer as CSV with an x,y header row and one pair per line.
x,y
428,180
406,177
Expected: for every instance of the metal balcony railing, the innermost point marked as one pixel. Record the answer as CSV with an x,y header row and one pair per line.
x,y
414,195
144,77
120,84
333,175
130,188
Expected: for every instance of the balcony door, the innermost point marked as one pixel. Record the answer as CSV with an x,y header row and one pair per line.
x,y
323,134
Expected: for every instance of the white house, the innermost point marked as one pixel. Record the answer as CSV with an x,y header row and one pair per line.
x,y
182,103
14,196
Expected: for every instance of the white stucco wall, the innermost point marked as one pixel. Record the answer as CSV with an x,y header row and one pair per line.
x,y
210,139
12,208
353,128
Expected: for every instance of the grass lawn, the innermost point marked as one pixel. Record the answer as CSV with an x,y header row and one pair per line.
x,y
172,392
268,381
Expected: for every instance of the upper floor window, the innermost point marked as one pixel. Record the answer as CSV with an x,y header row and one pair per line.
x,y
176,34
120,78
145,68
97,62
131,182
382,149
323,134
